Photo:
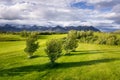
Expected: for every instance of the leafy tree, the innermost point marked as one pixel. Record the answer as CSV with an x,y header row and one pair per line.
x,y
53,49
31,44
118,41
111,40
78,35
72,34
70,45
89,33
71,42
24,33
82,34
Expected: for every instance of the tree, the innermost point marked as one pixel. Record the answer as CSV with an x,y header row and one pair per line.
x,y
112,40
24,33
70,45
71,42
31,44
53,49
72,34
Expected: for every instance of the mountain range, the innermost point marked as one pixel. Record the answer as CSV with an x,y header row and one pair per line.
x,y
14,28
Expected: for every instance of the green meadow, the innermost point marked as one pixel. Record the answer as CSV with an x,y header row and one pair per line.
x,y
88,62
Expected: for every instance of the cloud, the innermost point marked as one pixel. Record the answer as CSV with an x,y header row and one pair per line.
x,y
61,12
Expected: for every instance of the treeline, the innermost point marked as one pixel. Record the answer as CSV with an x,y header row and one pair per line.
x,y
24,31
18,36
82,36
98,37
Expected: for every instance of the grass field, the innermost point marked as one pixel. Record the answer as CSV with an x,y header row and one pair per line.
x,y
89,62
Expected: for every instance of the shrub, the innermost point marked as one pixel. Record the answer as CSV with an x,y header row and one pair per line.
x,y
82,34
24,33
89,33
101,40
118,41
78,35
93,39
31,45
70,45
53,49
111,40
98,37
72,34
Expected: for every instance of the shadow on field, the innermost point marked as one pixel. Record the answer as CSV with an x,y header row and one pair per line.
x,y
27,69
85,63
84,52
35,56
91,52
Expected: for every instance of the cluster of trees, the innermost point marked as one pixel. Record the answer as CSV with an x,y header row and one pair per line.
x,y
25,33
98,37
109,40
53,47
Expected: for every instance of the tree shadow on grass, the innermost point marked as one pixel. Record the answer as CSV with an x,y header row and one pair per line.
x,y
85,63
87,52
38,68
110,50
35,56
84,52
23,70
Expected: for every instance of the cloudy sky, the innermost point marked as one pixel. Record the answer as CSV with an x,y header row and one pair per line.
x,y
103,14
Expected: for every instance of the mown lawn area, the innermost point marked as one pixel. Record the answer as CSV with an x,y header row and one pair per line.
x,y
88,62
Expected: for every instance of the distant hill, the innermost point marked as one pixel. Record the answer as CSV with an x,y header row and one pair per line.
x,y
8,27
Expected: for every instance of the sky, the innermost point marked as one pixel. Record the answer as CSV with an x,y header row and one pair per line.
x,y
103,14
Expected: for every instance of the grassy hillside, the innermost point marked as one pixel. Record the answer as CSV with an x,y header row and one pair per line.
x,y
89,62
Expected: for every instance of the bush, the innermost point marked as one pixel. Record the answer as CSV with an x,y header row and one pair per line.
x,y
111,40
118,41
70,45
101,40
24,33
78,35
89,33
98,37
53,49
31,45
72,34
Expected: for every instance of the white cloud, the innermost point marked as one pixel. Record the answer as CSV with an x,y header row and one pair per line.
x,y
59,12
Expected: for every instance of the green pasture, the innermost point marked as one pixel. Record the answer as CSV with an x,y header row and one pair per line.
x,y
88,62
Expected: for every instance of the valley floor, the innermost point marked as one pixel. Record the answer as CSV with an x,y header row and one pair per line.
x,y
89,62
